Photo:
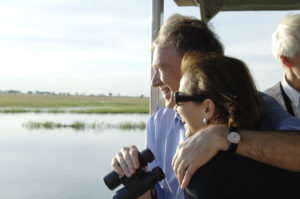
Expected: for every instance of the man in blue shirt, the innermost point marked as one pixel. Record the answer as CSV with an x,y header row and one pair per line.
x,y
165,130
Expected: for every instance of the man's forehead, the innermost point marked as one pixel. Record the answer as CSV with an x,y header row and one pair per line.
x,y
164,49
162,55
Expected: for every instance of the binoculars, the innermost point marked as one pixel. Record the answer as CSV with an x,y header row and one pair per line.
x,y
138,183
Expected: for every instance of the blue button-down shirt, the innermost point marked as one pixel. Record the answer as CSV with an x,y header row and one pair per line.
x,y
164,132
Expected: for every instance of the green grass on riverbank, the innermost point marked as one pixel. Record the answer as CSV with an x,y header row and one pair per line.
x,y
21,103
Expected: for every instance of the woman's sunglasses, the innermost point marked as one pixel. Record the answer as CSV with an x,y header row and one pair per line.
x,y
181,97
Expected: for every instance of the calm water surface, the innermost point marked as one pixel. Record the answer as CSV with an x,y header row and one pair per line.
x,y
60,163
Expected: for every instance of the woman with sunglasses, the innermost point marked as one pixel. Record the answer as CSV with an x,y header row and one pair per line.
x,y
220,90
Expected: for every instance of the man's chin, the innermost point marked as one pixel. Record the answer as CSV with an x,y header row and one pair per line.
x,y
169,103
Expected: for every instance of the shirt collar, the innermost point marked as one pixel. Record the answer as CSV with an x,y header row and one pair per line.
x,y
292,93
177,116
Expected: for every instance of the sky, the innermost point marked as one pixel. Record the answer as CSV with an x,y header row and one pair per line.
x,y
103,46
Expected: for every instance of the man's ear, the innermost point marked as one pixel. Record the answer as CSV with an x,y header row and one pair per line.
x,y
210,109
286,61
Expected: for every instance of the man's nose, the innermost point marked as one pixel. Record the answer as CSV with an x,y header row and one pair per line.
x,y
156,81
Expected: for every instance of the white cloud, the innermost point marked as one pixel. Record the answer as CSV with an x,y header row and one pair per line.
x,y
104,46
11,13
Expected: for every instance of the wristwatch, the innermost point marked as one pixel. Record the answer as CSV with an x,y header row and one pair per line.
x,y
233,138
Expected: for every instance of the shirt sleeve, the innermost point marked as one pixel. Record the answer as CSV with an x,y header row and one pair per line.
x,y
151,144
277,118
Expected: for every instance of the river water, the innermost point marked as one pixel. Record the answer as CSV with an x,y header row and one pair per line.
x,y
61,163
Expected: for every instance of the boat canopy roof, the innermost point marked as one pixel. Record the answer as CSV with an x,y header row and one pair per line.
x,y
209,8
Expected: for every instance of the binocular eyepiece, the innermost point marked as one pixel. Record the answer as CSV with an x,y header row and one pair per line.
x,y
137,184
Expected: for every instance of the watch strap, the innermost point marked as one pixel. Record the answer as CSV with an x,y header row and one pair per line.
x,y
233,146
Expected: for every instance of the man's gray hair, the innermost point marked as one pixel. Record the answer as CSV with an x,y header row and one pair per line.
x,y
187,33
286,38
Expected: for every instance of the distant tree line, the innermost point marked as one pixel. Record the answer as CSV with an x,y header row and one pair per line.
x,y
53,93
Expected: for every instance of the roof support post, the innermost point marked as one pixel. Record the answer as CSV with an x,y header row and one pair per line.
x,y
202,6
157,20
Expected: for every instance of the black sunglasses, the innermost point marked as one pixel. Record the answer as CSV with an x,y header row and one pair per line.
x,y
181,97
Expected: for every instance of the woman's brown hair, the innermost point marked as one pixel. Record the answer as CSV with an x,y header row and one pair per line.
x,y
238,103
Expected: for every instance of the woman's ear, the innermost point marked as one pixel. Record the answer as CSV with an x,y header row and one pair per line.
x,y
209,109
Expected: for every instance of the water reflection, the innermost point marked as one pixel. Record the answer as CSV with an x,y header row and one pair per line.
x,y
59,163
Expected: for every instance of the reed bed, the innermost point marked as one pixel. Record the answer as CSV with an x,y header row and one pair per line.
x,y
79,125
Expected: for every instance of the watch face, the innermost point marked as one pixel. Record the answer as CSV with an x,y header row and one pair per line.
x,y
234,137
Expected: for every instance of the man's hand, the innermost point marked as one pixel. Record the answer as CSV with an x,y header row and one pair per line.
x,y
197,151
126,162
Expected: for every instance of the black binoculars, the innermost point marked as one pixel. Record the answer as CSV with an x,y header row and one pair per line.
x,y
138,183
